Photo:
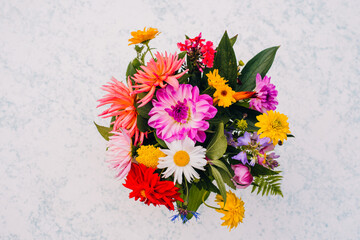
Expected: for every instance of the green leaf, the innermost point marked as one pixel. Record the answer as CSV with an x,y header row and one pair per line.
x,y
220,182
144,110
258,170
225,61
142,123
184,79
104,131
161,142
195,199
132,67
261,63
233,40
218,144
182,55
221,165
227,178
290,135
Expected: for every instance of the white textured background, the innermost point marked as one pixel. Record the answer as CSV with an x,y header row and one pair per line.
x,y
55,55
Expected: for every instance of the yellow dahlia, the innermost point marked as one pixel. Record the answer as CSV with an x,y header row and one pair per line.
x,y
142,36
214,79
149,155
233,210
273,125
224,95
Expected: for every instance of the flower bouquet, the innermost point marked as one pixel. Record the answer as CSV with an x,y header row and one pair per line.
x,y
190,124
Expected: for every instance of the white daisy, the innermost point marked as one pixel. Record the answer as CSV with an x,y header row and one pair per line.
x,y
182,157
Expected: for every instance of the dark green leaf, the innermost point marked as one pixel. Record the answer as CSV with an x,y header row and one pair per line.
x,y
161,142
261,63
104,131
218,144
227,178
144,110
221,165
225,61
142,123
290,135
258,170
220,182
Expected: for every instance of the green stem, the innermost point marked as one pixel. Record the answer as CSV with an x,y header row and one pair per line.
x,y
187,193
149,50
203,200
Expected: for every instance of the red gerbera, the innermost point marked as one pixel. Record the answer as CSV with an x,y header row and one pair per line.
x,y
147,187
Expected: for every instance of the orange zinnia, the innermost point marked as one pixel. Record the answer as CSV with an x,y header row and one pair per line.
x,y
122,107
142,36
158,73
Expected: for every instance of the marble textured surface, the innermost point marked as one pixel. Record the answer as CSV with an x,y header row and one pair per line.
x,y
55,55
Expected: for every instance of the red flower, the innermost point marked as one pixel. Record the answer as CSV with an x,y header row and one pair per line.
x,y
147,187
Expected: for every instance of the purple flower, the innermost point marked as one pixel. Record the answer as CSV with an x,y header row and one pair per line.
x,y
230,138
269,160
180,113
241,156
243,177
265,95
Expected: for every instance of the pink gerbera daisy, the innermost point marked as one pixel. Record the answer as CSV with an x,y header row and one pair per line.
x,y
122,107
119,152
265,97
158,73
180,113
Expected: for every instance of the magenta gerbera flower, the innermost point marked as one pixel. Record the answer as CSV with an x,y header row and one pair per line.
x,y
265,97
180,113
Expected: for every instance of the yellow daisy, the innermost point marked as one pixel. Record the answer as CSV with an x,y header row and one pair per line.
x,y
224,95
143,36
149,155
273,125
233,211
214,79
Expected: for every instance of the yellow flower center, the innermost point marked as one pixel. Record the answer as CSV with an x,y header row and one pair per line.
x,y
181,158
142,192
276,124
224,93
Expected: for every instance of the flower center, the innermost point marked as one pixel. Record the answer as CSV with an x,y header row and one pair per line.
x,y
181,158
224,93
179,112
142,192
276,124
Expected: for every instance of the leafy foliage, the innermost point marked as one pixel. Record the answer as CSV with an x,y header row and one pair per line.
x,y
267,184
104,131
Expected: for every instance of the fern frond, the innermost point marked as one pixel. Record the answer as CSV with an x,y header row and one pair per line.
x,y
267,184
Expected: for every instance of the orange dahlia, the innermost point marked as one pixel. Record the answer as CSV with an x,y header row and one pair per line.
x,y
158,73
146,186
122,107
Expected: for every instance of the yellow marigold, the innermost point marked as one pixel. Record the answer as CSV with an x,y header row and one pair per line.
x,y
273,125
214,79
142,36
233,210
224,95
149,155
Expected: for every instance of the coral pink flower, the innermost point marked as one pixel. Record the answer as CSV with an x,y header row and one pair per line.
x,y
122,107
180,113
119,152
157,73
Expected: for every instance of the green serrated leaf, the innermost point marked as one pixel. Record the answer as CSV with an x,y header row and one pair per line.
x,y
220,182
104,131
142,123
261,64
225,61
218,144
233,40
